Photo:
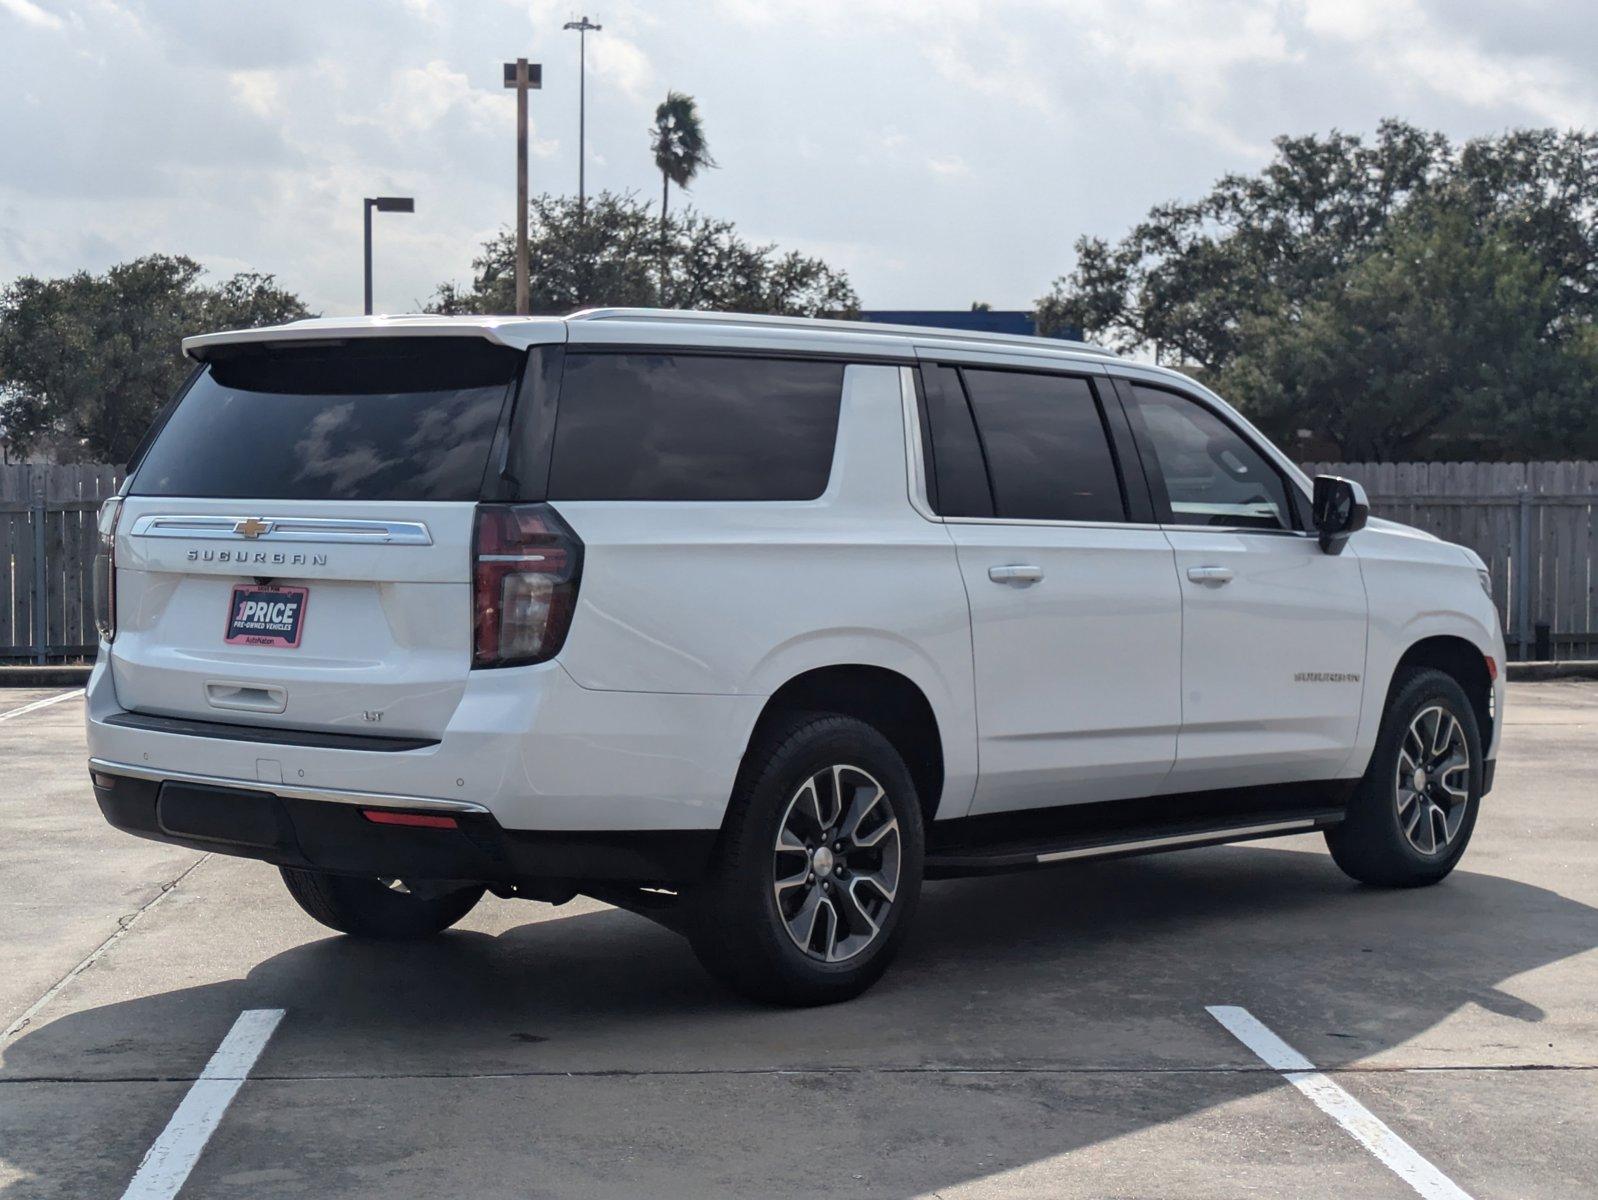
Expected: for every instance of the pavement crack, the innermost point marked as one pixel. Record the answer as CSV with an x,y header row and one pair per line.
x,y
124,924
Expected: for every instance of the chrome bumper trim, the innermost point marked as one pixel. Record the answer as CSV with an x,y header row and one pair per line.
x,y
331,795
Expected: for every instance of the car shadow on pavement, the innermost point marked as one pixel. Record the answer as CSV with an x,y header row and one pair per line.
x,y
1054,982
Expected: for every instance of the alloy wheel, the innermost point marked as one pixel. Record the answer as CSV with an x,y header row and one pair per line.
x,y
836,862
1432,782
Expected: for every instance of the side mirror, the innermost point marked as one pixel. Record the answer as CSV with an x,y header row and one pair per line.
x,y
1340,508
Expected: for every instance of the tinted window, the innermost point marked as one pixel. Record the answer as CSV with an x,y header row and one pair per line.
x,y
958,476
694,427
1213,476
385,419
1048,453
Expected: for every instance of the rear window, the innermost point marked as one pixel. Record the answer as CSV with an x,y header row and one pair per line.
x,y
694,427
381,419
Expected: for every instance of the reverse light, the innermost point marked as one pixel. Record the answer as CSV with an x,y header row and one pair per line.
x,y
105,571
526,565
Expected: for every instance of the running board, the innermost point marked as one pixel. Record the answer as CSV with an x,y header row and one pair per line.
x,y
1145,839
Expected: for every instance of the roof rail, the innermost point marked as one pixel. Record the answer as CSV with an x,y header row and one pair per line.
x,y
766,320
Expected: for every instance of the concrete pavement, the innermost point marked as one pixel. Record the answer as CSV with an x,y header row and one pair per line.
x,y
1043,1034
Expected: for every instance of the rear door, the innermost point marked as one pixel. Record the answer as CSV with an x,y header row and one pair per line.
x,y
1273,648
294,548
1075,613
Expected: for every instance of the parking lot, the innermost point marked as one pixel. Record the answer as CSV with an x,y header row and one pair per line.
x,y
1042,1035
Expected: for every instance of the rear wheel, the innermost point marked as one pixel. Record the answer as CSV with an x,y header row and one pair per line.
x,y
1413,812
818,869
371,908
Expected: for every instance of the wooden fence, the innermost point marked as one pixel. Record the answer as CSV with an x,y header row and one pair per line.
x,y
47,545
1535,524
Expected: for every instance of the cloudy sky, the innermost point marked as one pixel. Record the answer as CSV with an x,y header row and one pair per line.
x,y
941,151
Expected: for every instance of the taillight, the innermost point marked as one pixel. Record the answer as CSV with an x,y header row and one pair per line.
x,y
105,571
526,566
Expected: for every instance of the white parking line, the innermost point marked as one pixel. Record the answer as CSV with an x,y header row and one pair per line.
x,y
168,1162
1332,1100
37,704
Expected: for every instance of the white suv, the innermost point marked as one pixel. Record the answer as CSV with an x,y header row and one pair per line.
x,y
750,624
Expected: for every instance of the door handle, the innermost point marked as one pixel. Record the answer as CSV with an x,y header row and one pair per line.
x,y
1020,573
1215,575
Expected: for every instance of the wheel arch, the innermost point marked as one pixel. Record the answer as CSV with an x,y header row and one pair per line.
x,y
1463,661
888,701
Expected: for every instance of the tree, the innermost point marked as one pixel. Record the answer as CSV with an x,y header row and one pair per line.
x,y
1448,339
612,256
1338,248
87,361
680,152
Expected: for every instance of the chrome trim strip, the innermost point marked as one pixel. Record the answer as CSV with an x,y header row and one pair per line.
x,y
1179,839
332,795
915,458
285,529
1051,524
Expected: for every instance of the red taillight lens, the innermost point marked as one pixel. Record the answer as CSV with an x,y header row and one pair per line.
x,y
105,571
526,565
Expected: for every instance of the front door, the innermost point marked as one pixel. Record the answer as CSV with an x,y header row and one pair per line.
x,y
1273,646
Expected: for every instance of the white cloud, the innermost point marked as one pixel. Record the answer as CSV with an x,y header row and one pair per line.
x,y
256,90
865,130
1404,40
421,97
30,13
615,60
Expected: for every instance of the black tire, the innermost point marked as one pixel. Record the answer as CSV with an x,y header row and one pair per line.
x,y
1371,845
738,927
367,908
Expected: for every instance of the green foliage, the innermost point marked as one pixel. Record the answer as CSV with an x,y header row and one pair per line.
x,y
678,140
1401,298
608,255
87,361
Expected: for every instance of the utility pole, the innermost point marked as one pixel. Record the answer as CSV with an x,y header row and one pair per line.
x,y
583,28
381,204
522,75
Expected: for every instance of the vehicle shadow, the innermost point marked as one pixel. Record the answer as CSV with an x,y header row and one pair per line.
x,y
1062,977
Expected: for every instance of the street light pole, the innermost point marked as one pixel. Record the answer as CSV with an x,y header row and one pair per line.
x,y
583,28
381,204
522,75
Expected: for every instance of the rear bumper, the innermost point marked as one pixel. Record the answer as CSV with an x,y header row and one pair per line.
x,y
334,835
526,744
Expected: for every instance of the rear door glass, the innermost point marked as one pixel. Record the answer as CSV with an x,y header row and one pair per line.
x,y
636,426
376,419
1047,448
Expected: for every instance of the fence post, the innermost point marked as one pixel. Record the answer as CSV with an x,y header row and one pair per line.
x,y
1523,574
41,578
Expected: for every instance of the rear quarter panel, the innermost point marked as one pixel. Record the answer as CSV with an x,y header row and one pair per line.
x,y
738,598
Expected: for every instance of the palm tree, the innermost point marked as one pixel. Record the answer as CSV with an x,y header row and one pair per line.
x,y
680,153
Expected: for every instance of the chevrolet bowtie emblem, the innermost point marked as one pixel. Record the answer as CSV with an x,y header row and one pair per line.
x,y
253,527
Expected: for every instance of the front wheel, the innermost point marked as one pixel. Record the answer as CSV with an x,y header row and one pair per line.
x,y
371,908
1413,813
818,868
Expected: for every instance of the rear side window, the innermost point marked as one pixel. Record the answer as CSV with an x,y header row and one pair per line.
x,y
378,419
1047,448
694,427
957,476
